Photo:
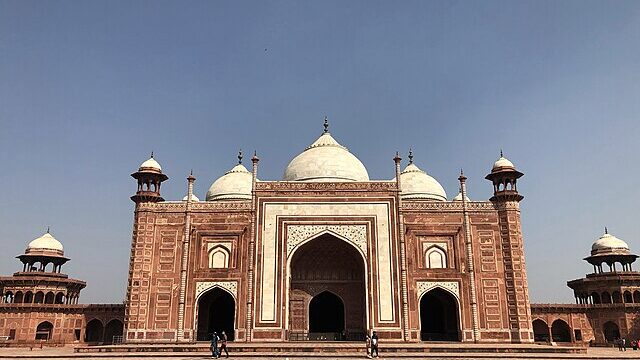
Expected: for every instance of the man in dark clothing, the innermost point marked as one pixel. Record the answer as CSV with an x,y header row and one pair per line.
x,y
214,345
374,344
223,344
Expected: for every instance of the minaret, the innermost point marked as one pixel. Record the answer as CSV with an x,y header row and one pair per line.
x,y
507,202
149,177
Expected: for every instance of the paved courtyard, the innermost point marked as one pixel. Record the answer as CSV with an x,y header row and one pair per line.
x,y
67,353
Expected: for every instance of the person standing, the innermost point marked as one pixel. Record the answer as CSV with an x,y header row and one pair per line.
x,y
368,345
623,342
223,344
374,344
214,345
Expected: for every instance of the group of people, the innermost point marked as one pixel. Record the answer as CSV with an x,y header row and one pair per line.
x,y
622,344
372,345
218,344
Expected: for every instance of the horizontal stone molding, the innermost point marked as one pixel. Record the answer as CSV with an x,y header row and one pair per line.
x,y
325,186
441,206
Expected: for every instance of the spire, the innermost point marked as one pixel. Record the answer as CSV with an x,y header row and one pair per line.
x,y
152,154
240,156
410,156
501,155
605,230
326,125
48,230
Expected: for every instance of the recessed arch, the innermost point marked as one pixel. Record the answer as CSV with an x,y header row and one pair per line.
x,y
616,297
560,331
59,298
595,298
636,296
327,264
606,298
216,312
219,256
94,331
326,313
19,297
439,315
44,331
611,331
49,298
540,330
113,329
628,297
39,298
435,257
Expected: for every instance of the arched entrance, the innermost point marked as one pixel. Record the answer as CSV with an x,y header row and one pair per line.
x,y
611,331
216,313
44,331
94,331
540,331
560,331
113,329
326,314
327,291
439,316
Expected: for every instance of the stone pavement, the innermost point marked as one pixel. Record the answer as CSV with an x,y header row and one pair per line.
x,y
67,353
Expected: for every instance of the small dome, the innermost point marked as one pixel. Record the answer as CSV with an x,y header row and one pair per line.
x,y
502,163
45,242
326,161
235,184
150,164
193,197
608,244
417,184
459,197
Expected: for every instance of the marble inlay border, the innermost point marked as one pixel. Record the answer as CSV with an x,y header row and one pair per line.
x,y
204,286
356,234
452,287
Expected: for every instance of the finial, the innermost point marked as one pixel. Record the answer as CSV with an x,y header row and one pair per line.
x,y
605,230
255,157
47,229
191,173
461,172
326,125
240,156
410,156
152,154
501,153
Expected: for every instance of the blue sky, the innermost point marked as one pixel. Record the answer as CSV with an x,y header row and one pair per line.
x,y
89,89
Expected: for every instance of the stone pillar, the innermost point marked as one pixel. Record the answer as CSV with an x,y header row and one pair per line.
x,y
186,240
470,266
403,256
252,245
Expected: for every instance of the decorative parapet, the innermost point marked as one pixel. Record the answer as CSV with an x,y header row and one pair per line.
x,y
448,206
452,287
200,206
325,186
204,286
356,234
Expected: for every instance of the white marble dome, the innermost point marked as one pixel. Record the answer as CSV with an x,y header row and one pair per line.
x,y
418,185
326,161
235,184
502,163
193,197
45,242
608,243
150,164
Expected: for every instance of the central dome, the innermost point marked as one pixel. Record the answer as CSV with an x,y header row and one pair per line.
x,y
326,161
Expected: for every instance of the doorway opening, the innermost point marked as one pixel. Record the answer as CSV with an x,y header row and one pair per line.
x,y
439,316
216,313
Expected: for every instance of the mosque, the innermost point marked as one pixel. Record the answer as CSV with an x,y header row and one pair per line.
x,y
326,253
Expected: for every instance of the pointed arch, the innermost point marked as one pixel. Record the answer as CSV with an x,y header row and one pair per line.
x,y
216,310
219,257
611,331
39,298
636,296
114,328
435,257
628,298
540,330
44,331
94,331
560,331
440,318
49,298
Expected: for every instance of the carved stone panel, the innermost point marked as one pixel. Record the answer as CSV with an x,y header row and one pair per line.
x,y
356,234
204,286
452,287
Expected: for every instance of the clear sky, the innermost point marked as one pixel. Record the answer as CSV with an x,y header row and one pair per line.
x,y
89,88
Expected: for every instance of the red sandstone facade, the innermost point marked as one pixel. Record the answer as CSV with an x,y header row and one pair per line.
x,y
281,262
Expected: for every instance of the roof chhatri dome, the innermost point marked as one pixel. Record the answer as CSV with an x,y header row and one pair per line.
x,y
150,165
235,184
326,161
193,197
608,244
418,185
502,163
45,242
459,197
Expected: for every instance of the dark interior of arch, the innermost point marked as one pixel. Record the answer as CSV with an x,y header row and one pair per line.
x,y
328,292
540,331
560,331
94,331
439,316
113,328
216,313
326,314
611,331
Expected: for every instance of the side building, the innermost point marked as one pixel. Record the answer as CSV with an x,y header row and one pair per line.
x,y
41,304
607,304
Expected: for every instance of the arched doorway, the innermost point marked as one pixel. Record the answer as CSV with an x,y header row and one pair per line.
x,y
44,331
326,314
114,328
94,331
327,290
439,316
560,331
540,331
216,313
611,331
